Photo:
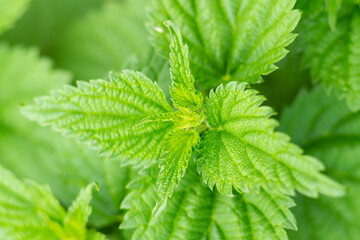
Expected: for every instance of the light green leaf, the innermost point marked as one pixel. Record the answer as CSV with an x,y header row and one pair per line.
x,y
26,209
10,11
78,213
228,39
105,114
173,164
66,167
243,151
194,212
183,118
29,211
327,129
35,153
182,90
334,56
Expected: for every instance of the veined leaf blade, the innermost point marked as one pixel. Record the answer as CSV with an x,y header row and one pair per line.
x,y
105,114
173,164
242,149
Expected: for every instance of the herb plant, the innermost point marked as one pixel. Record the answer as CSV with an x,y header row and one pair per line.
x,y
185,146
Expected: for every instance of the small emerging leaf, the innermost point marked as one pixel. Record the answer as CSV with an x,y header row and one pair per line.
x,y
182,90
77,217
173,164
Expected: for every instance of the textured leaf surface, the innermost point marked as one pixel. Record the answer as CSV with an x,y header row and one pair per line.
x,y
194,212
243,151
228,39
104,39
182,90
173,163
78,213
327,129
36,153
105,114
10,11
29,211
334,56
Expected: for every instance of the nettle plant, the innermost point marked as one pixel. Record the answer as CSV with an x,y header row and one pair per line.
x,y
230,135
210,163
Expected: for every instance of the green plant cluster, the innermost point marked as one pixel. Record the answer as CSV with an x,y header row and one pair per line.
x,y
176,141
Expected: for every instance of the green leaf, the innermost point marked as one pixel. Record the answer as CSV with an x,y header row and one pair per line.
x,y
326,128
35,153
105,114
78,213
66,167
334,56
29,211
228,39
173,164
10,11
103,39
194,212
26,209
243,151
182,90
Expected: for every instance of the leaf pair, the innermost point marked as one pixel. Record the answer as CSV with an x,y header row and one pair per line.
x,y
29,211
129,118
